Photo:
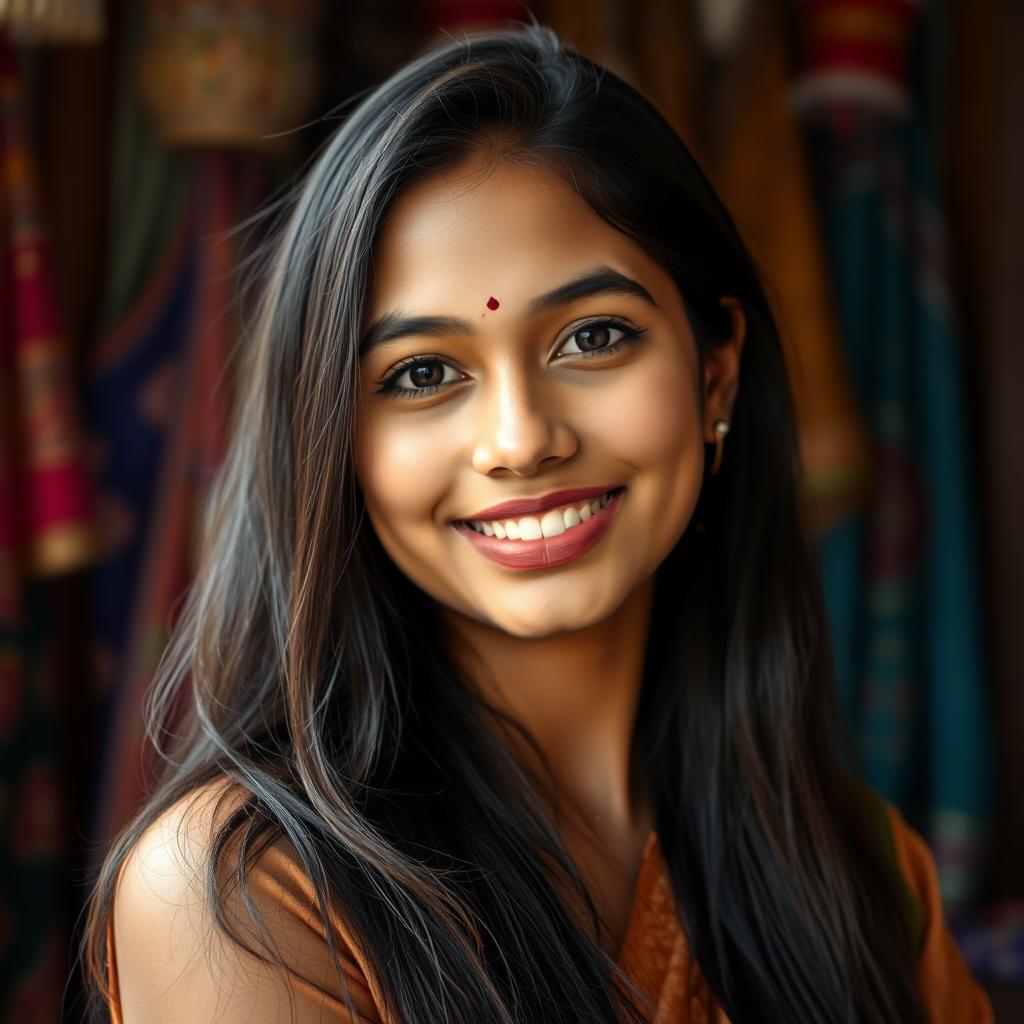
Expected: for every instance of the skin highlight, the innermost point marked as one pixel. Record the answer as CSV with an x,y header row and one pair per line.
x,y
519,413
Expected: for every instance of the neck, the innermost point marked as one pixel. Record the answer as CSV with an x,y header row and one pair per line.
x,y
577,694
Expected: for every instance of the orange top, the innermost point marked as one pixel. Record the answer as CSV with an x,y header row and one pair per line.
x,y
654,952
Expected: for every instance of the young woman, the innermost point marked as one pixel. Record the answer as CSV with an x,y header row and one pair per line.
x,y
506,670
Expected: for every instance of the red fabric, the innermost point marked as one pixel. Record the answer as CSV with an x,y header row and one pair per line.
x,y
863,36
46,499
46,528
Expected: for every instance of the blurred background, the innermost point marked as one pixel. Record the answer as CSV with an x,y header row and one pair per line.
x,y
871,154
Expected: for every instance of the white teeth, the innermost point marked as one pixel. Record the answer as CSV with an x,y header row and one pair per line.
x,y
553,523
529,528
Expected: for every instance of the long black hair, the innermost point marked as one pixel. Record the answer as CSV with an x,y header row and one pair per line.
x,y
306,661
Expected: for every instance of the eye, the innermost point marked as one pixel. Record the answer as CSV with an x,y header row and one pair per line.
x,y
597,338
425,375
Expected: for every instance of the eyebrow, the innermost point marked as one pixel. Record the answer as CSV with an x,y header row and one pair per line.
x,y
602,280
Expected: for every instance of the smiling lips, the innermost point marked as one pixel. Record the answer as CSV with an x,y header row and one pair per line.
x,y
529,506
566,531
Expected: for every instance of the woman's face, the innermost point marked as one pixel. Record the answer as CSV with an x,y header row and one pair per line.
x,y
510,383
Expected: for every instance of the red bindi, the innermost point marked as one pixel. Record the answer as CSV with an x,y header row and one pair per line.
x,y
492,303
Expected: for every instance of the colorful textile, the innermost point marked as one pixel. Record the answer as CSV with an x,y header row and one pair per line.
x,y
46,501
242,74
46,529
157,409
160,392
150,284
193,406
902,579
857,50
134,388
757,151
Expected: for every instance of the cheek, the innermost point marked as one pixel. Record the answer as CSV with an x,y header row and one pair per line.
x,y
400,470
655,418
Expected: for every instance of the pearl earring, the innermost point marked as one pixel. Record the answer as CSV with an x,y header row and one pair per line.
x,y
721,429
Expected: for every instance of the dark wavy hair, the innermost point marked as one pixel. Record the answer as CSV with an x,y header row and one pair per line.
x,y
305,660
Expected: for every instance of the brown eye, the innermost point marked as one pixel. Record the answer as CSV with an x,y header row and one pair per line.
x,y
589,338
601,337
425,374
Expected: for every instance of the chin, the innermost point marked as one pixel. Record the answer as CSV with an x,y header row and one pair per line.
x,y
540,627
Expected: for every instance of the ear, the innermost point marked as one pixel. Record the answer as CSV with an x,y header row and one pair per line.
x,y
722,371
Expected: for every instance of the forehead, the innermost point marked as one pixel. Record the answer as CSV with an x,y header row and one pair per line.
x,y
477,231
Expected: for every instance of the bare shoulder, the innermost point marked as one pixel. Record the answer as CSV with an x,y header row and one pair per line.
x,y
167,864
175,962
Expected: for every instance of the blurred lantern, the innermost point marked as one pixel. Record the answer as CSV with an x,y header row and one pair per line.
x,y
52,21
721,24
857,51
242,73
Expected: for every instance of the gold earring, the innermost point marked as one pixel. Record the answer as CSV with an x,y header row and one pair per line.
x,y
721,429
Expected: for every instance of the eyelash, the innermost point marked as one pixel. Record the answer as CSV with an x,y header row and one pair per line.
x,y
387,385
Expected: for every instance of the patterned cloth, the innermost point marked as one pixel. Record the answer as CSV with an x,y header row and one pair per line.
x,y
157,407
134,381
902,579
175,366
46,529
758,151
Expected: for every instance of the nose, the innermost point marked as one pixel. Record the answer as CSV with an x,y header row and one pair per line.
x,y
519,430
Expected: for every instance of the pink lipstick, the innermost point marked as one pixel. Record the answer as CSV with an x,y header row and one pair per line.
x,y
546,552
531,506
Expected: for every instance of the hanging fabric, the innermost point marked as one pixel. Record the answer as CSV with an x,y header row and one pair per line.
x,y
46,530
902,580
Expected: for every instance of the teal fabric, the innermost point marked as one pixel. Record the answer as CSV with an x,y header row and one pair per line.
x,y
902,578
